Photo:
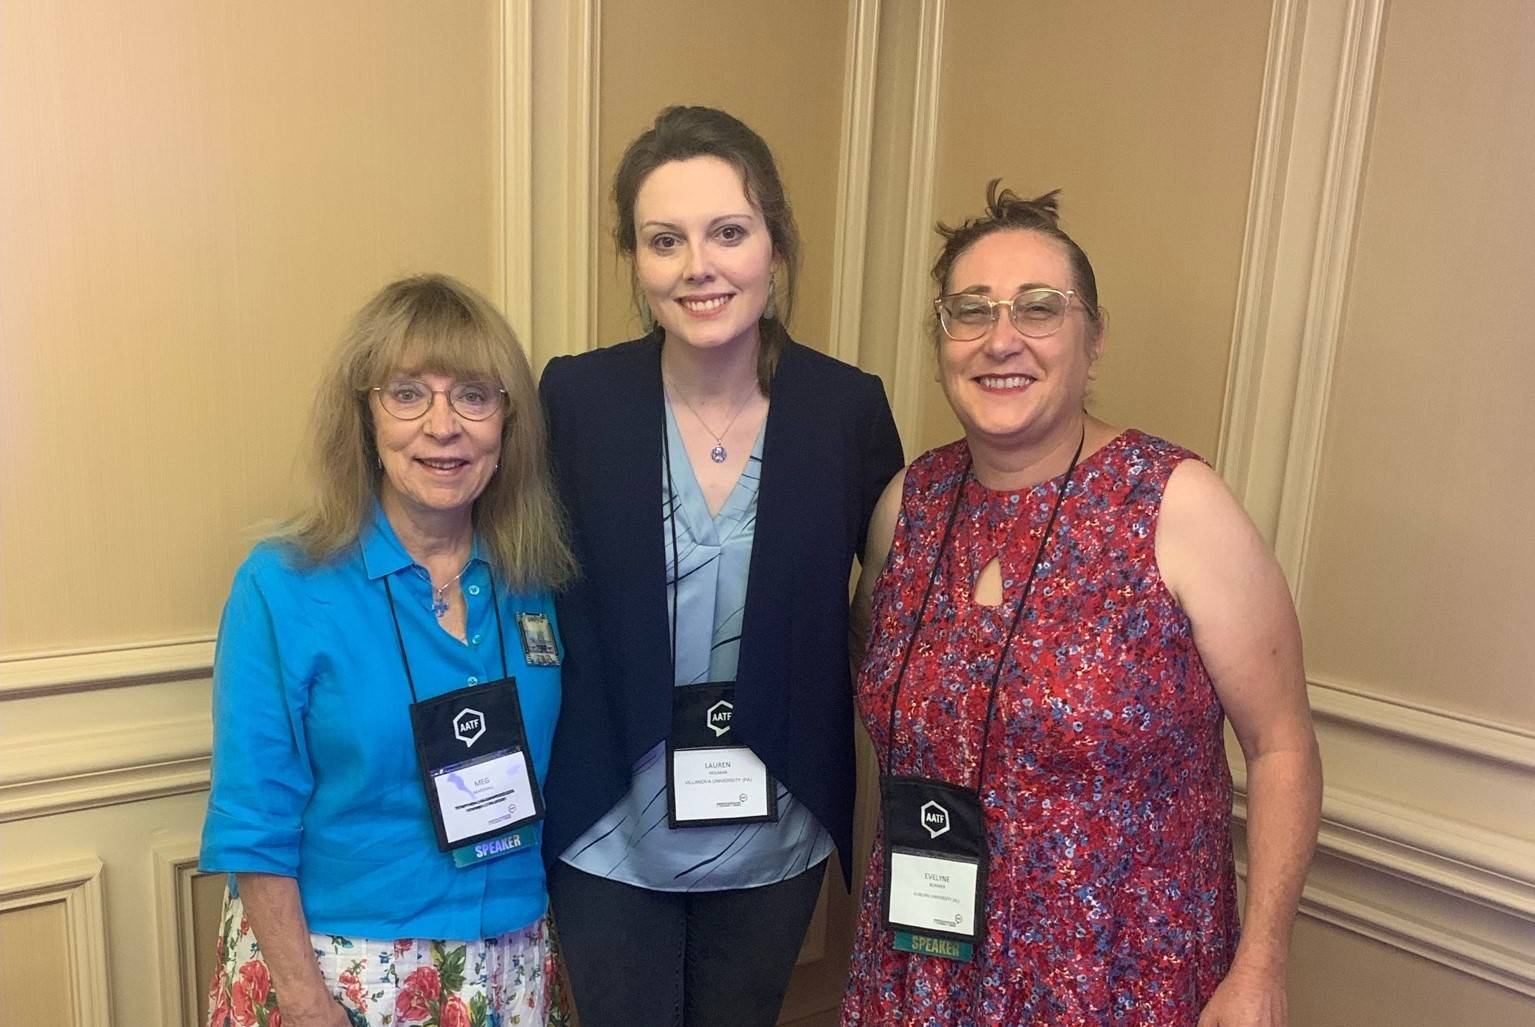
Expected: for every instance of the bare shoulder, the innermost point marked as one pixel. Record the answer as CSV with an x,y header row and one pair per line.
x,y
1201,526
881,534
882,525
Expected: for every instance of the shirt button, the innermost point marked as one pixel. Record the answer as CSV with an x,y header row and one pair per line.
x,y
474,681
473,590
475,640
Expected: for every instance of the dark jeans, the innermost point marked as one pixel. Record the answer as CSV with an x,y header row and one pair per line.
x,y
642,958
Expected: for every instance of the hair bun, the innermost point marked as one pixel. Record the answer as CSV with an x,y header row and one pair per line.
x,y
1008,206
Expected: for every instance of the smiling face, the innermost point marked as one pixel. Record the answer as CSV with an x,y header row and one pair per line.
x,y
1007,390
437,465
703,255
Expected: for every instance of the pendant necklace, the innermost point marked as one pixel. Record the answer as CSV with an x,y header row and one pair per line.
x,y
439,595
717,454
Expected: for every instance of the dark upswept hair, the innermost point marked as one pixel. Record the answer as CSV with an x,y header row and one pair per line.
x,y
682,133
432,323
1007,211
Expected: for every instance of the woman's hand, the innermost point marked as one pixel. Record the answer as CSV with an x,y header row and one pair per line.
x,y
1246,999
276,916
330,1014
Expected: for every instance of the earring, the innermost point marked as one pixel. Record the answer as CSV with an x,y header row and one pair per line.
x,y
647,319
770,312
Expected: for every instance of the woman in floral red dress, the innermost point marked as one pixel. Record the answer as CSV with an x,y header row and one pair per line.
x,y
1061,617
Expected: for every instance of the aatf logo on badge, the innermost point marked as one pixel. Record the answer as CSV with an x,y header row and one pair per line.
x,y
468,726
935,818
719,717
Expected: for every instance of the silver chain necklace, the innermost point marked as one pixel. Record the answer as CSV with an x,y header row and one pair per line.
x,y
717,454
439,595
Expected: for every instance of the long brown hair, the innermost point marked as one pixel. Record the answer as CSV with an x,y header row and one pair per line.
x,y
433,323
681,133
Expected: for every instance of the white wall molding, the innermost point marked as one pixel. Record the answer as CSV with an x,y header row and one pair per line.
x,y
1457,733
1260,267
564,182
74,670
1315,117
77,885
1448,891
913,346
1468,955
515,156
48,774
1342,184
854,166
175,866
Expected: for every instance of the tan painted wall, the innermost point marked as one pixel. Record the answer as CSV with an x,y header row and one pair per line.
x,y
195,197
1424,502
1401,495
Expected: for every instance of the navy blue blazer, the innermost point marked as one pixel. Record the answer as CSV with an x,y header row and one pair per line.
x,y
830,448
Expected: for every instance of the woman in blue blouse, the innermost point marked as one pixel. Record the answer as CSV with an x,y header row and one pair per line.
x,y
386,687
719,479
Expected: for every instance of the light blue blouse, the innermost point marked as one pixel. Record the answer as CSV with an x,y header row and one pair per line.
x,y
314,766
633,843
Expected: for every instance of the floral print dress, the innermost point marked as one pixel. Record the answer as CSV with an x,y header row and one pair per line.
x,y
1106,793
498,982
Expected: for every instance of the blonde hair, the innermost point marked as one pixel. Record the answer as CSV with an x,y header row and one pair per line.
x,y
433,323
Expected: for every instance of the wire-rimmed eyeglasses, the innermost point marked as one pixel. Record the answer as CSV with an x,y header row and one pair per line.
x,y
1036,312
409,400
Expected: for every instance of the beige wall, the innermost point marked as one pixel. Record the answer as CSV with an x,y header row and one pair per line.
x,y
1378,435
196,196
1423,501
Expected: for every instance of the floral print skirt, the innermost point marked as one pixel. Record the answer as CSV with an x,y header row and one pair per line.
x,y
410,982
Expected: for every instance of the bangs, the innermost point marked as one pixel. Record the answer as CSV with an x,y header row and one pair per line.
x,y
443,338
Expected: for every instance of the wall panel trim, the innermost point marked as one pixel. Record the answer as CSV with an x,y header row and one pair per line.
x,y
175,865
1260,252
1440,729
77,884
71,670
912,344
564,199
516,164
1342,184
1318,99
855,165
1484,878
1486,962
103,766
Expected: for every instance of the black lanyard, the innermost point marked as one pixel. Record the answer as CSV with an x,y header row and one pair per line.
x,y
671,499
495,606
1028,585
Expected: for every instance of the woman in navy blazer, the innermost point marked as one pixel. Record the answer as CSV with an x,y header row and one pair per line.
x,y
757,523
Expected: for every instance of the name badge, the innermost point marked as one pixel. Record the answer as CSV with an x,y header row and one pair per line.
x,y
480,783
935,865
539,646
710,782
